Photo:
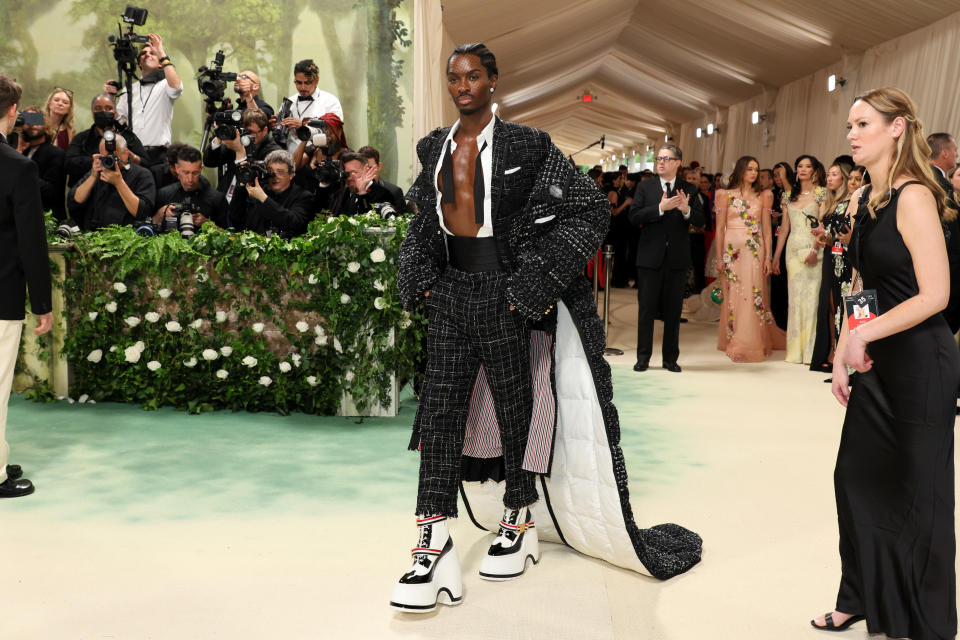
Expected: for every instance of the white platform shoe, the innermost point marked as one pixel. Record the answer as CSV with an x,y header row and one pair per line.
x,y
435,576
516,542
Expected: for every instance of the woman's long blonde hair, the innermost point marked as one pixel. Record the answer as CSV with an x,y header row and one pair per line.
x,y
912,157
67,121
836,197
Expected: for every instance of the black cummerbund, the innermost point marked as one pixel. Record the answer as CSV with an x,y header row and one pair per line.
x,y
473,254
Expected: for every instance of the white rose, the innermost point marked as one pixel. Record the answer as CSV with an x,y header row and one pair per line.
x,y
113,348
209,354
319,330
95,356
153,365
92,315
221,316
296,359
312,381
349,377
226,351
344,299
303,327
82,399
111,307
377,255
285,367
202,276
258,327
312,279
265,381
320,340
250,361
196,324
379,286
191,363
335,284
139,346
132,354
132,321
336,345
151,316
353,267
405,322
354,222
222,374
380,303
330,219
173,326
119,287
164,293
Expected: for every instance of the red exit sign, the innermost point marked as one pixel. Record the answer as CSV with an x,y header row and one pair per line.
x,y
588,97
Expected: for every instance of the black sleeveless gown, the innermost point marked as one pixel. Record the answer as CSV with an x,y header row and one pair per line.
x,y
894,477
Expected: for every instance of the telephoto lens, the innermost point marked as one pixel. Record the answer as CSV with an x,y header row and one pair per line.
x,y
187,230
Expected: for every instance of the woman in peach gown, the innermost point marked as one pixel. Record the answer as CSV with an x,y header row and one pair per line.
x,y
747,330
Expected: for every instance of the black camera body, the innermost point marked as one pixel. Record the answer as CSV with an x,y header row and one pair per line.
x,y
110,160
212,82
251,170
226,123
330,173
29,119
280,132
182,215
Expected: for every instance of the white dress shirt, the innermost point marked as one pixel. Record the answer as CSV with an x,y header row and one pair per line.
x,y
323,102
486,161
152,111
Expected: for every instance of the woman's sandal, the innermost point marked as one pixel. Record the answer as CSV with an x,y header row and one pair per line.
x,y
829,626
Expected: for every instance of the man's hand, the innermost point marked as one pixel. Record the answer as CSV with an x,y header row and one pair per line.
x,y
234,144
97,167
684,201
110,89
255,191
667,204
199,220
156,43
21,143
161,213
113,176
290,123
44,323
365,179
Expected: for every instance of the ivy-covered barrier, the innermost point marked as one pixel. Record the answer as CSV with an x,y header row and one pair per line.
x,y
238,321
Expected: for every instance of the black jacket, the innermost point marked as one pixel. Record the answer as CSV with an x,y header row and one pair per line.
x,y
105,206
224,159
289,213
79,158
23,241
53,178
346,202
208,201
548,217
664,240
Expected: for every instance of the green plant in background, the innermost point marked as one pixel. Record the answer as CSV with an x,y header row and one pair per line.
x,y
240,321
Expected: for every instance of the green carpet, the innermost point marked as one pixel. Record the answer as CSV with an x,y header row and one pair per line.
x,y
118,461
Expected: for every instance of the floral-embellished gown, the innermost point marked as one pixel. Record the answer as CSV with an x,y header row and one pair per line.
x,y
803,280
747,330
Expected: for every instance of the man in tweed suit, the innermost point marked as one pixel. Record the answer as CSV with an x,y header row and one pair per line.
x,y
505,225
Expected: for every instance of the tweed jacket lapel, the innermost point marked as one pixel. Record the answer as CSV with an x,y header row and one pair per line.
x,y
500,148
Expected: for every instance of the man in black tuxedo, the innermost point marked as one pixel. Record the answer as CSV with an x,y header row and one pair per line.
x,y
943,157
23,262
50,161
663,209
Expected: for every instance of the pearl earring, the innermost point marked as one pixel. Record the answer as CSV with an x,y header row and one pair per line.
x,y
491,89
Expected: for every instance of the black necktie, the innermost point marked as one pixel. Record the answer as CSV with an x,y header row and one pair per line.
x,y
668,187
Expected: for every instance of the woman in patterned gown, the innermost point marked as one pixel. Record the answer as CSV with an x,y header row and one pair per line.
x,y
747,330
801,208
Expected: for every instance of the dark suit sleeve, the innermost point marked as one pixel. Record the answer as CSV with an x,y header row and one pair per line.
x,y
645,208
134,144
32,239
563,245
78,162
219,156
53,180
78,210
218,214
292,216
418,265
143,186
238,209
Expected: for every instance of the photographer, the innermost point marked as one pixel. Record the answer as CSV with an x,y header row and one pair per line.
x,y
166,174
319,170
396,193
193,191
362,190
247,86
86,143
107,195
34,142
308,103
282,208
226,155
153,98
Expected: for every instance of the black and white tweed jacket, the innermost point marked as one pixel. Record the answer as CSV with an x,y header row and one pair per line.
x,y
552,217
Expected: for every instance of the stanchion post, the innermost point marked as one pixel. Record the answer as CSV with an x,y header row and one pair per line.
x,y
607,272
596,278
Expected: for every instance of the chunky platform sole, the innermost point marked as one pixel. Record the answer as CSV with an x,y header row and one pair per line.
x,y
508,567
445,588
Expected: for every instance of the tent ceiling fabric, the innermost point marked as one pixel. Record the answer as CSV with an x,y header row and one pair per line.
x,y
655,64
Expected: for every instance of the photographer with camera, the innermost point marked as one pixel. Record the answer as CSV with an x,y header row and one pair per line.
x,y
153,97
282,207
397,199
193,192
362,191
86,143
308,103
227,155
34,142
115,191
317,159
247,86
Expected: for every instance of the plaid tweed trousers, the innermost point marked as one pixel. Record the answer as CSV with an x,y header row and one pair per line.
x,y
470,322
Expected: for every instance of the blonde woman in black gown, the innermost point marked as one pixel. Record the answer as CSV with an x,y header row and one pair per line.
x,y
894,478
